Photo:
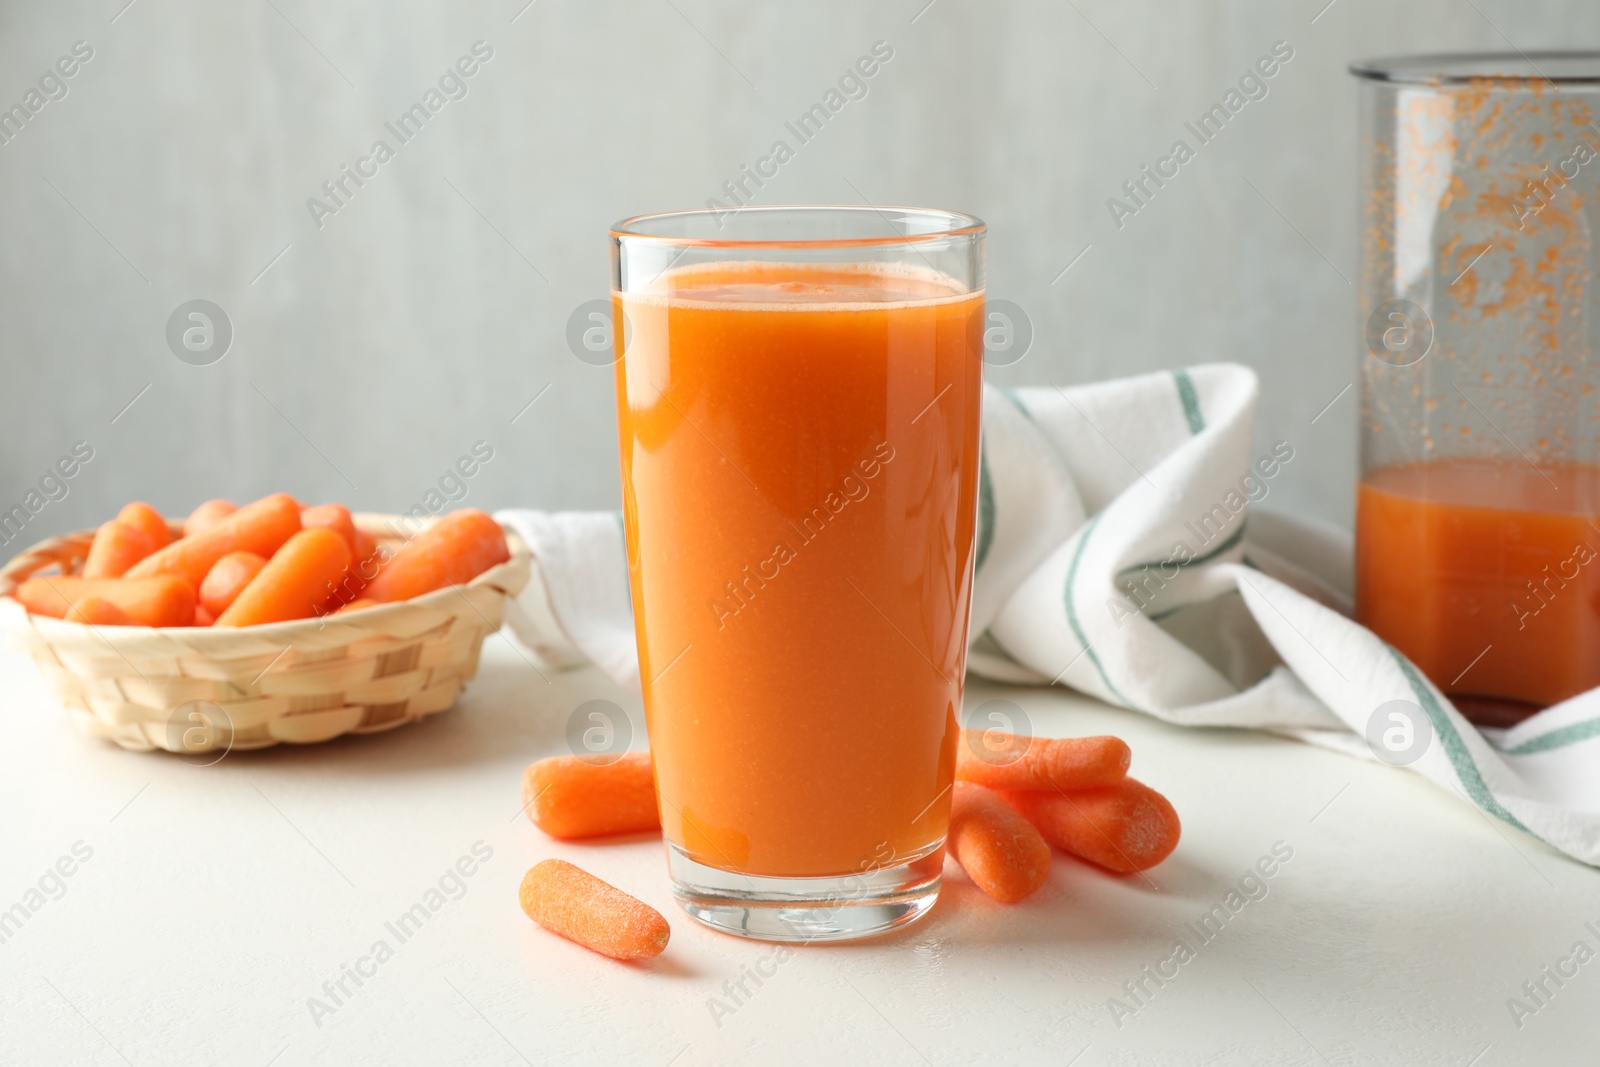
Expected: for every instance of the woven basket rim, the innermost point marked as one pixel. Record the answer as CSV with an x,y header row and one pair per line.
x,y
509,578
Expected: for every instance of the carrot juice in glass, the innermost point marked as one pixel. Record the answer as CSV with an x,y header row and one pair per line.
x,y
798,397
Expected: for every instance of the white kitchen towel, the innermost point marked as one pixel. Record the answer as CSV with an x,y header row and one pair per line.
x,y
1122,552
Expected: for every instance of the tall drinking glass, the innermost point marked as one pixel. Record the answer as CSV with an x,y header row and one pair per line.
x,y
798,398
1478,515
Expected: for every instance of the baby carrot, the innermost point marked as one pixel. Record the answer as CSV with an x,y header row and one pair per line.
x,y
97,611
335,517
999,849
356,605
226,580
1124,827
366,546
570,901
571,797
1007,761
160,601
202,617
364,563
207,515
293,582
147,520
452,551
116,547
261,528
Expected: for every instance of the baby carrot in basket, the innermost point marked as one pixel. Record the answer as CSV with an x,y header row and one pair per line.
x,y
97,611
148,521
452,551
160,601
335,517
293,582
572,796
999,849
349,587
570,901
227,579
1009,761
366,547
261,527
1125,827
207,515
116,547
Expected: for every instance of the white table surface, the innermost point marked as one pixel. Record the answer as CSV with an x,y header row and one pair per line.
x,y
218,899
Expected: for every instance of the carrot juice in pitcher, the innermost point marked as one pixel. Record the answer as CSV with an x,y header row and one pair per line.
x,y
1486,576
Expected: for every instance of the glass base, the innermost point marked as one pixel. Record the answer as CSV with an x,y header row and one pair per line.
x,y
1493,711
832,908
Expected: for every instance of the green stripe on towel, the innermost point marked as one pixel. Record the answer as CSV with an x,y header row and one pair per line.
x,y
1231,542
1072,613
1454,748
1190,399
1560,737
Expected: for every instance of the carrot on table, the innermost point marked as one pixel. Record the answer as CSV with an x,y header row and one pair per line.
x,y
1000,850
452,551
116,547
570,901
1124,827
163,600
207,515
97,611
294,581
573,796
147,520
227,578
1009,761
261,527
335,517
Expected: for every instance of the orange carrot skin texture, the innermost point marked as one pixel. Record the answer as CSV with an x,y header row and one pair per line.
x,y
1006,761
453,551
202,617
160,601
97,611
356,605
294,581
148,521
207,515
570,901
1124,828
335,517
261,527
116,547
226,580
999,849
363,568
574,797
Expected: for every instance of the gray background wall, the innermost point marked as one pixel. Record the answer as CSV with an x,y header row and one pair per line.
x,y
430,310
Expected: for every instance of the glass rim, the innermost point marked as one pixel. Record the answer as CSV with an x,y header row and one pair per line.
x,y
1466,68
954,224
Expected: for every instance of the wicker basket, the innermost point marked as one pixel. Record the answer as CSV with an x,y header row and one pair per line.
x,y
199,689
